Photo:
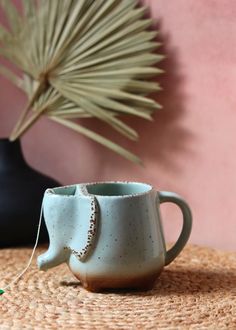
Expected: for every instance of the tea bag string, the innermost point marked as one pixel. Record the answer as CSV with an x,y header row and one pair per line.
x,y
31,258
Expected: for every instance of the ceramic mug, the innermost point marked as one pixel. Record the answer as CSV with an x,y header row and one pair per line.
x,y
110,234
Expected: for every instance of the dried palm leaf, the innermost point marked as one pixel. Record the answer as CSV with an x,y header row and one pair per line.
x,y
82,59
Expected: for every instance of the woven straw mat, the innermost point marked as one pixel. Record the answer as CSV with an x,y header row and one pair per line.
x,y
197,291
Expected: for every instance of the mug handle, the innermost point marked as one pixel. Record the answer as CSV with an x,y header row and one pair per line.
x,y
166,196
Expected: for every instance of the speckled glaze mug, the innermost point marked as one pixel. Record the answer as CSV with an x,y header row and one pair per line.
x,y
110,234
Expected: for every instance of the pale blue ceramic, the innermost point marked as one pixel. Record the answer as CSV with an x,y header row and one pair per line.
x,y
110,234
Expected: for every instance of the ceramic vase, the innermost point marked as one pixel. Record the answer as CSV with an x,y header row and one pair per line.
x,y
21,193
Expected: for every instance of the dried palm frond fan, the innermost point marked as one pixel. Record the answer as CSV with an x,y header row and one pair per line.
x,y
82,58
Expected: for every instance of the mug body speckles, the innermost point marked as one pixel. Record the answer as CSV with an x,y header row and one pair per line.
x,y
110,234
129,245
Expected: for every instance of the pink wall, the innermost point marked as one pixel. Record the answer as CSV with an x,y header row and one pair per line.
x,y
190,148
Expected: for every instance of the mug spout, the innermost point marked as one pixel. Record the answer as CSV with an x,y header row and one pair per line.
x,y
50,259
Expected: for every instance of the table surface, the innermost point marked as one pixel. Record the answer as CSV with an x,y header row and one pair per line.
x,y
197,291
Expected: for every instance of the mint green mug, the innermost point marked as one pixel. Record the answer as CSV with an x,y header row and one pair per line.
x,y
110,233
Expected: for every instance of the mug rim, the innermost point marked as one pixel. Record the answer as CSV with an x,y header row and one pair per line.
x,y
53,191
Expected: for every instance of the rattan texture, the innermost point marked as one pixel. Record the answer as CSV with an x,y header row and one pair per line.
x,y
197,291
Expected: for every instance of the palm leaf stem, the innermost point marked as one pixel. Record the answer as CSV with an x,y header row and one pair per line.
x,y
17,129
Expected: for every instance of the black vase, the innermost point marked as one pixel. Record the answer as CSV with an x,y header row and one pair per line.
x,y
21,193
